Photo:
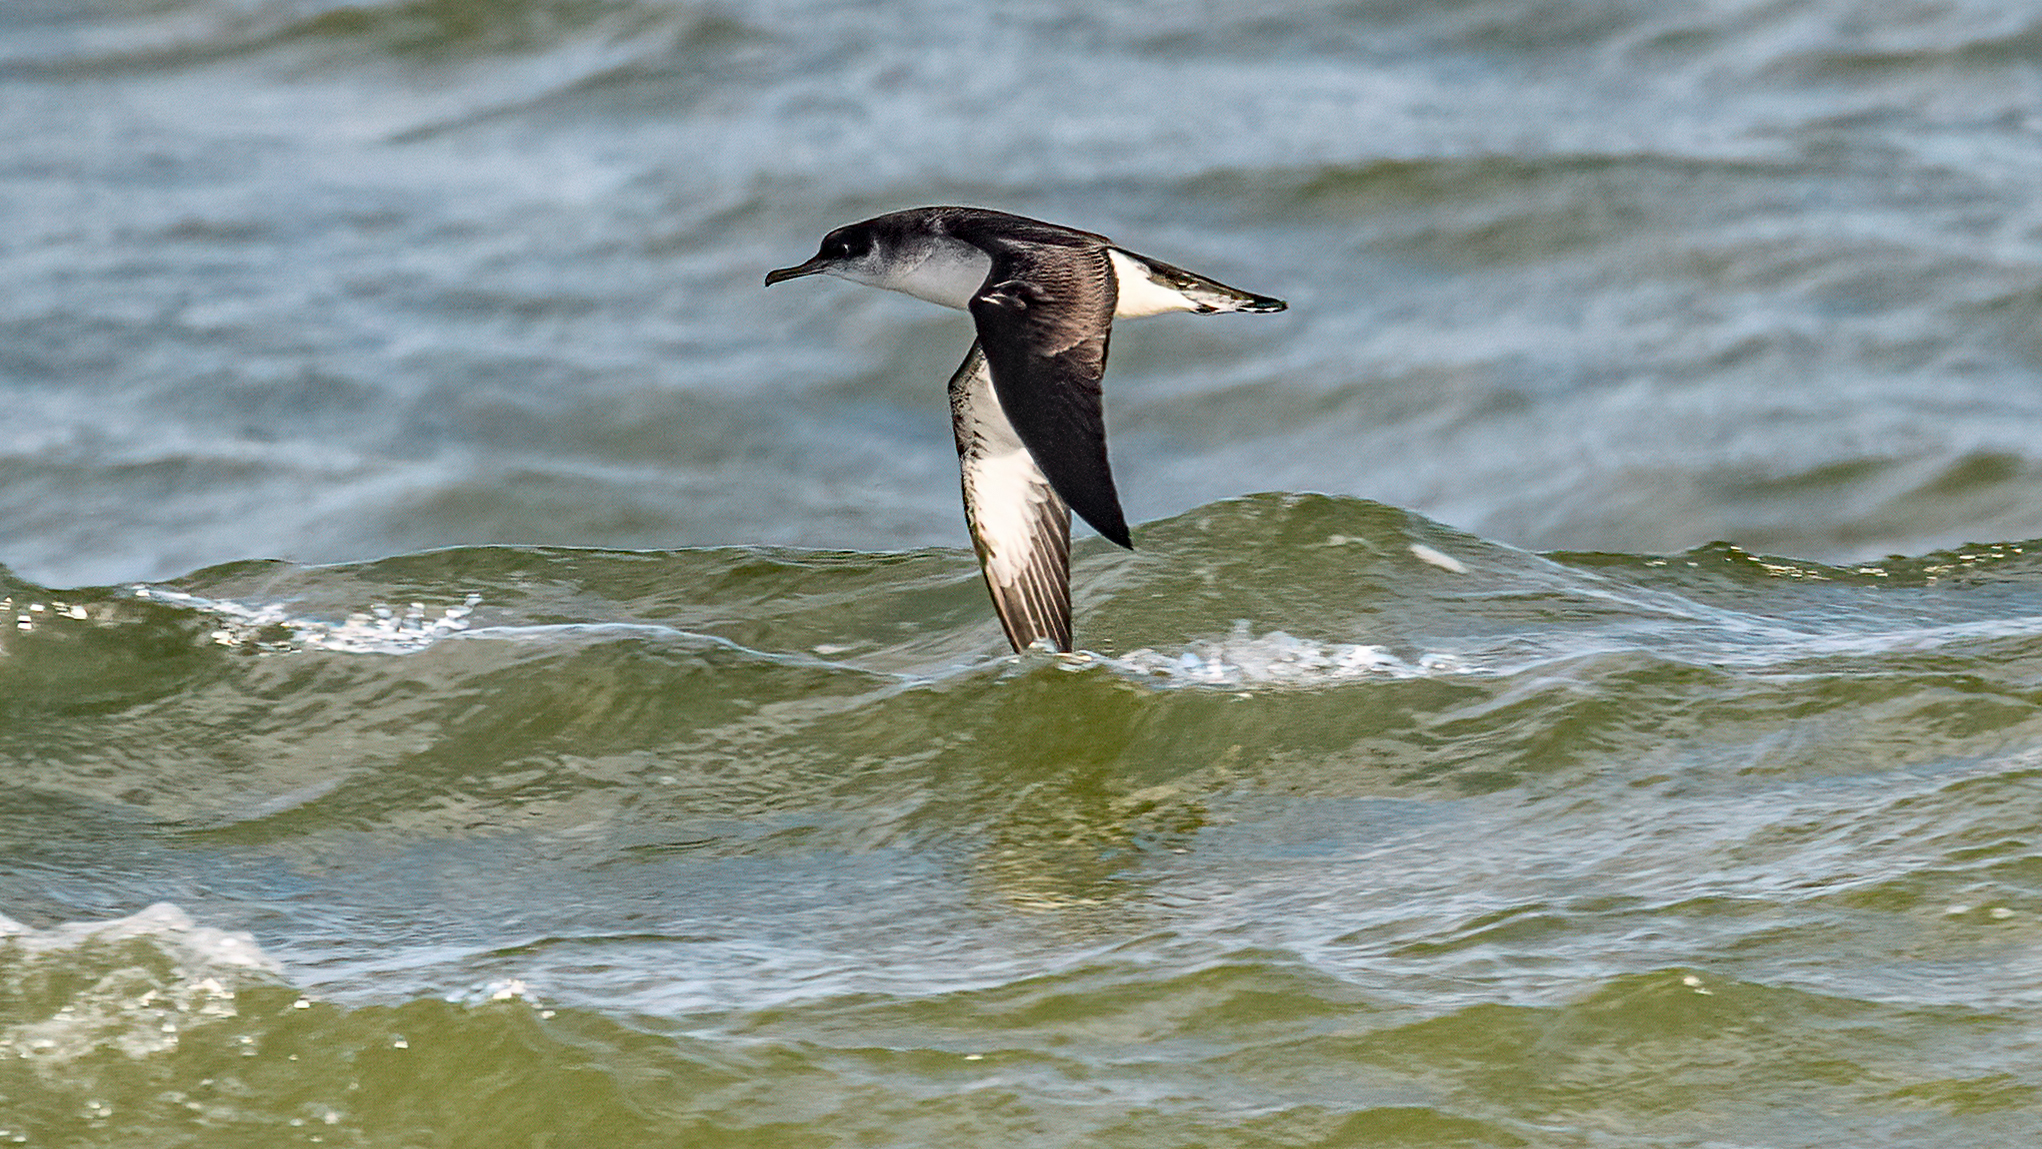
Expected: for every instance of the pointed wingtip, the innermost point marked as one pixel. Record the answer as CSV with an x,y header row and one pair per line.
x,y
1107,520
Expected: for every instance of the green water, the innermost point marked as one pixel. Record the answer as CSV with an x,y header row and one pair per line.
x,y
761,847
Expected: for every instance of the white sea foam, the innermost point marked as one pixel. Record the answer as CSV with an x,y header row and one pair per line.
x,y
382,629
501,989
32,614
1281,659
141,981
1440,559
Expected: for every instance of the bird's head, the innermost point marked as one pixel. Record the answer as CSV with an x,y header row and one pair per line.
x,y
851,251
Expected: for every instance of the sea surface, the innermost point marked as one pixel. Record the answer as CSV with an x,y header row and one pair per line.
x,y
477,669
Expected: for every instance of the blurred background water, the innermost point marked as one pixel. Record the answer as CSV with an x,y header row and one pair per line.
x,y
321,281
622,751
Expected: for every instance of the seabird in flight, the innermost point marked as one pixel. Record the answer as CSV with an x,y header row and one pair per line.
x,y
1025,403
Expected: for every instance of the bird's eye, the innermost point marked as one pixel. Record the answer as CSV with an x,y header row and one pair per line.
x,y
846,245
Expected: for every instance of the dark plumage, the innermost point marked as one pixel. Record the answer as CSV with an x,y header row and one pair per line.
x,y
1027,403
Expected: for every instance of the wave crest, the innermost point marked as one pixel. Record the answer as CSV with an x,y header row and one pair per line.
x,y
131,984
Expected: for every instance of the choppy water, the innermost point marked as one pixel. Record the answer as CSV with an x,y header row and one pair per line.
x,y
1480,798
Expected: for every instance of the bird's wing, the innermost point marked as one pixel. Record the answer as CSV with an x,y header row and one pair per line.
x,y
1044,315
1021,529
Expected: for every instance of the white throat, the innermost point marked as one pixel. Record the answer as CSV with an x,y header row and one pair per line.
x,y
945,272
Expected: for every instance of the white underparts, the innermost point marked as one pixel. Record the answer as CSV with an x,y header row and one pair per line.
x,y
949,275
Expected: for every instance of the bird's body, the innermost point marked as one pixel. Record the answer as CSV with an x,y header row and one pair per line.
x,y
1026,402
943,255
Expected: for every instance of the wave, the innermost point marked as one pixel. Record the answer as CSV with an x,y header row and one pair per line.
x,y
124,1035
602,841
271,701
1269,589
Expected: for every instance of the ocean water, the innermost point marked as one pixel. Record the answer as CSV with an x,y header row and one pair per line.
x,y
478,670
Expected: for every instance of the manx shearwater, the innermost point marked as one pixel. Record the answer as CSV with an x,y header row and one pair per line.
x,y
1026,402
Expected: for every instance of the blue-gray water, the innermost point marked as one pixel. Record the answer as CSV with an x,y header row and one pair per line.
x,y
480,670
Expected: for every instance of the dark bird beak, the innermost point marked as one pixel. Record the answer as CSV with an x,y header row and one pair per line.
x,y
812,267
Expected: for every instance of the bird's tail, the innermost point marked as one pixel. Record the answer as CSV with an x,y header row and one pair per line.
x,y
1208,295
